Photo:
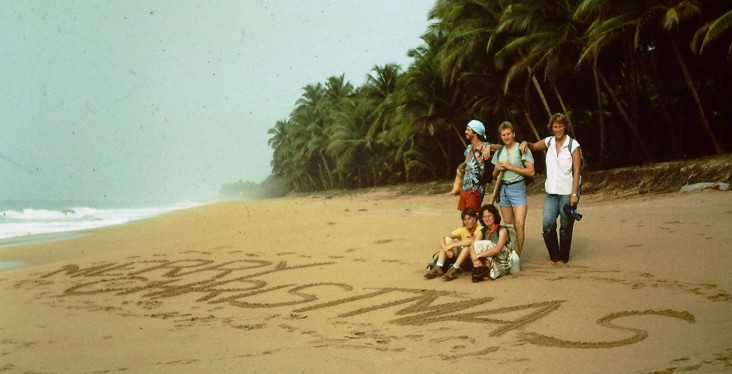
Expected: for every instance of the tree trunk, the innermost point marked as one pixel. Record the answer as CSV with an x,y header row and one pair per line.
x,y
460,136
540,92
326,173
445,155
648,155
600,115
565,111
531,124
695,94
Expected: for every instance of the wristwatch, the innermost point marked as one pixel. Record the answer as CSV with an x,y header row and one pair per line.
x,y
574,194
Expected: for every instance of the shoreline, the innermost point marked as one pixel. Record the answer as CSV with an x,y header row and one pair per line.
x,y
29,240
19,241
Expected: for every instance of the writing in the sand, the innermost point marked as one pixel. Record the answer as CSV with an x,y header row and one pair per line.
x,y
239,284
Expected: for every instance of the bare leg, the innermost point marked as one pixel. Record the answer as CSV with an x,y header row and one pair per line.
x,y
507,215
519,223
474,258
446,254
464,254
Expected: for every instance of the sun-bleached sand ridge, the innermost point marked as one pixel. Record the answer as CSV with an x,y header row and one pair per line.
x,y
331,283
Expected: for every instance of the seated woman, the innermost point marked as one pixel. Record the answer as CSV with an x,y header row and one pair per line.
x,y
490,250
456,242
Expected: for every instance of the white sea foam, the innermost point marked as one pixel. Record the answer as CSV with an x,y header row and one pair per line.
x,y
25,222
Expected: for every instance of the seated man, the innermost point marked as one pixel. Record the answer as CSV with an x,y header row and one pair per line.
x,y
456,242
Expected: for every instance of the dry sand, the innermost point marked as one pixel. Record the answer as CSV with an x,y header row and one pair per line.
x,y
315,284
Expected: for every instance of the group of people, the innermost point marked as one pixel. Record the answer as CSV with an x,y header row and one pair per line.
x,y
482,237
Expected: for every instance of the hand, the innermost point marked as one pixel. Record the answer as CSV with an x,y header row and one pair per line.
x,y
573,200
523,146
486,153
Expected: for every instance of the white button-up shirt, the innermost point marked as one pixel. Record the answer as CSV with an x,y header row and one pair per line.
x,y
559,166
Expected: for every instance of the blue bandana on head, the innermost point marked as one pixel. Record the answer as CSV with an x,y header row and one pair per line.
x,y
477,128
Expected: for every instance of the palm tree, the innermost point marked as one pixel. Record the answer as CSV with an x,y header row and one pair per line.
x,y
408,125
516,25
426,109
279,142
641,21
712,32
546,39
612,23
466,28
380,84
347,143
673,16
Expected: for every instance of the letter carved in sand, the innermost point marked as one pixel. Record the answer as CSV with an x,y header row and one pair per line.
x,y
241,284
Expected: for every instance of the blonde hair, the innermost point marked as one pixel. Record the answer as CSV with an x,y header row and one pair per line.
x,y
505,125
558,118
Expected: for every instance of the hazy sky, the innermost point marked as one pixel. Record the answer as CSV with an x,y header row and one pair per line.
x,y
125,100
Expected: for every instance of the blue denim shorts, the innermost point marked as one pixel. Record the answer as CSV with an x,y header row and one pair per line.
x,y
513,194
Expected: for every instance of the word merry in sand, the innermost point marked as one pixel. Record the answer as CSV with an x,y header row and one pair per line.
x,y
236,283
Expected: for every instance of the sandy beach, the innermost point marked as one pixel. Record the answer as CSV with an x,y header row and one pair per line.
x,y
327,283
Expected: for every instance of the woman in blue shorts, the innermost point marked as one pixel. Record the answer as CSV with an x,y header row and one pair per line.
x,y
512,196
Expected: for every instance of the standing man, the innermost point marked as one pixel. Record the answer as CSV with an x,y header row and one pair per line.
x,y
473,188
563,163
516,166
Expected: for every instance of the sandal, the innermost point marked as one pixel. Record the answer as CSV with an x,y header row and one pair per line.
x,y
479,273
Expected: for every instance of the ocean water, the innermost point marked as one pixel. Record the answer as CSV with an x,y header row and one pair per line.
x,y
23,222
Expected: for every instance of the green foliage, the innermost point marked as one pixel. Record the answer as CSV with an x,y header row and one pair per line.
x,y
640,81
271,187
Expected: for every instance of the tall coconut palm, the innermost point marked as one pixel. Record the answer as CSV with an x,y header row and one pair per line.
x,y
426,108
648,25
545,39
337,89
467,27
613,24
467,34
673,16
380,84
281,155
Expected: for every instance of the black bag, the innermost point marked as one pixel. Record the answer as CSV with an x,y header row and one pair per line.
x,y
445,266
486,176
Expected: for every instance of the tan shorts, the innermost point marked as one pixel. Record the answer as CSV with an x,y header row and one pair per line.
x,y
482,246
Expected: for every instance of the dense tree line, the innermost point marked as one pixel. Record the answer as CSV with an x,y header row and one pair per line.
x,y
241,190
641,80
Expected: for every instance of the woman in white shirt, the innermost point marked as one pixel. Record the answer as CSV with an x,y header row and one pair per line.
x,y
563,162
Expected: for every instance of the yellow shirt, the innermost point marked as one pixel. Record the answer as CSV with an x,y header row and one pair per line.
x,y
464,233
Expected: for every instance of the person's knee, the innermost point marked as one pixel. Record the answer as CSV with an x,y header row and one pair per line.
x,y
548,226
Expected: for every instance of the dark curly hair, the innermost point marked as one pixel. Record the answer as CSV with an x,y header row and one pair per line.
x,y
493,210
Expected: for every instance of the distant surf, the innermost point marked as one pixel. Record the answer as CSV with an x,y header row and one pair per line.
x,y
25,219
